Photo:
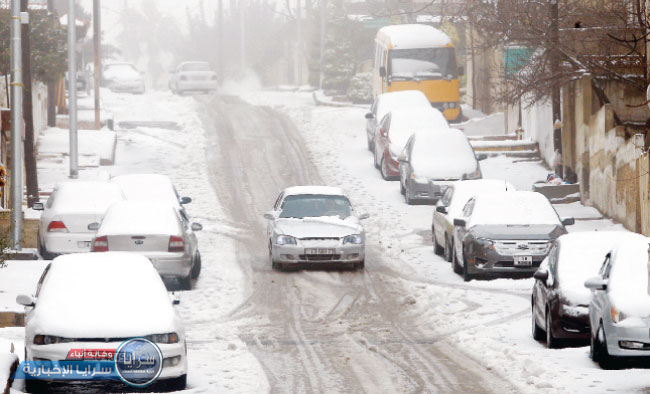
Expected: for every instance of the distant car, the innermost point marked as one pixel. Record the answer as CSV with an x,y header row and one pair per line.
x,y
72,214
560,302
123,77
450,206
81,302
395,130
384,103
150,187
505,234
430,162
158,231
193,76
315,225
619,311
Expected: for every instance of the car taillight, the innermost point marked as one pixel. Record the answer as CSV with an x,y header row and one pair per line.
x,y
100,244
176,244
57,226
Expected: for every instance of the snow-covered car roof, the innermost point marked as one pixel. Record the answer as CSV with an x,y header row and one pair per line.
x,y
140,218
121,71
445,154
405,122
112,294
513,208
392,101
85,196
314,190
147,187
581,254
411,36
464,190
628,278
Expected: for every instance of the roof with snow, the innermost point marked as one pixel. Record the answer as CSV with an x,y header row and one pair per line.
x,y
413,36
313,190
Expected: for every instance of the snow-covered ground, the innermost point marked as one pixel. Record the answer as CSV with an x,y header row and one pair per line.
x,y
488,320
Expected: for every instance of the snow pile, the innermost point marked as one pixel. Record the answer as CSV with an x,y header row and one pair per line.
x,y
405,122
7,359
18,277
414,36
628,279
513,208
464,190
388,102
140,218
581,256
100,143
95,295
77,197
444,155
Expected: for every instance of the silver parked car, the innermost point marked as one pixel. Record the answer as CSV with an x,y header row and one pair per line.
x,y
123,77
193,77
619,311
316,225
159,231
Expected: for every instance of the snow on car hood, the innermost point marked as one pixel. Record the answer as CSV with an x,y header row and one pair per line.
x,y
318,227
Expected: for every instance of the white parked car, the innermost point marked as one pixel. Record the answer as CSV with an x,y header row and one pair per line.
x,y
149,187
450,206
619,311
387,102
71,216
193,76
430,162
123,77
315,225
158,231
76,306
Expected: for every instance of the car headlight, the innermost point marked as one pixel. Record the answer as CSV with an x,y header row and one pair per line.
x,y
353,239
285,240
171,337
50,340
485,243
472,175
617,315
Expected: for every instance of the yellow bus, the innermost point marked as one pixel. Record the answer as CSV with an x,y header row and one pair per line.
x,y
418,57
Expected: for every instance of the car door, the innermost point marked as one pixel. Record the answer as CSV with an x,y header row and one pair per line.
x,y
190,234
440,219
599,301
543,289
405,167
371,123
270,227
381,138
461,232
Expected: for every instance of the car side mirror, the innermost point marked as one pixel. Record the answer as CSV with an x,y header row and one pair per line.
x,y
185,200
441,209
402,158
370,115
460,222
481,156
38,206
25,300
197,227
596,283
568,221
364,216
382,71
270,215
541,275
461,70
93,226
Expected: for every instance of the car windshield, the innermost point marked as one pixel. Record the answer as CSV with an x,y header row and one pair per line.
x,y
424,63
196,67
302,206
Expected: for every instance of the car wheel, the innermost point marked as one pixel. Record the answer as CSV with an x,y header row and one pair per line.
x,y
374,157
538,333
593,347
383,169
437,249
360,265
371,146
466,275
604,359
196,267
448,249
276,266
551,341
407,196
177,384
457,268
186,282
402,189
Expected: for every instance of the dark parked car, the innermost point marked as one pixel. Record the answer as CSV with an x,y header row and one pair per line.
x,y
505,234
560,302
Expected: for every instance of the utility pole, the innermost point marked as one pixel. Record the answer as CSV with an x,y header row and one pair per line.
x,y
97,40
298,73
321,61
220,52
555,91
51,85
16,129
72,89
242,37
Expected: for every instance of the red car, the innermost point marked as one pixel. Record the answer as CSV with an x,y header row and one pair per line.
x,y
395,129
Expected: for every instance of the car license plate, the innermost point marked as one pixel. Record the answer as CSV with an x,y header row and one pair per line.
x,y
523,261
319,251
83,244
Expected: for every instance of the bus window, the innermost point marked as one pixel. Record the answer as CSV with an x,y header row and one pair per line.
x,y
423,63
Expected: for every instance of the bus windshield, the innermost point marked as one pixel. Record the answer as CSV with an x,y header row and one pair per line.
x,y
423,63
